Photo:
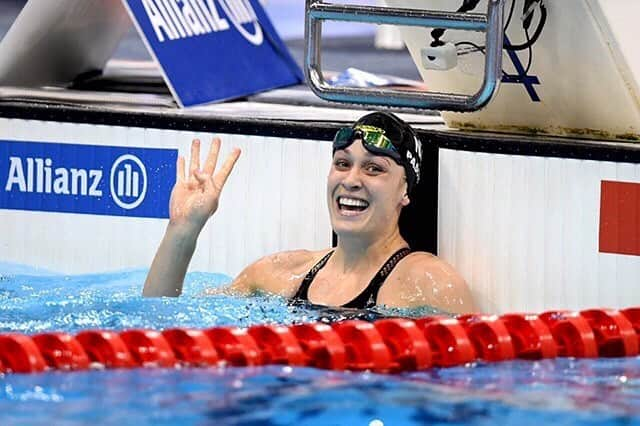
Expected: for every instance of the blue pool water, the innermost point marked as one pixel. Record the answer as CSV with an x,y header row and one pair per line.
x,y
559,392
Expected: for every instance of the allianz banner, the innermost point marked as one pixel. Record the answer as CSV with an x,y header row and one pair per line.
x,y
89,179
213,50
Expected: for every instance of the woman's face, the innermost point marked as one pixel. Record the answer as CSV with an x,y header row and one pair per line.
x,y
365,192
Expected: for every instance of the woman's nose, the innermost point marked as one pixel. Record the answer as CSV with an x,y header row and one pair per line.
x,y
352,179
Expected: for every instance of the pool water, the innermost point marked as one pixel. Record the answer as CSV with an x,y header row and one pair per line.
x,y
563,391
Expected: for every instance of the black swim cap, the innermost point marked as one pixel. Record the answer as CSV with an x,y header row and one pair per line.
x,y
404,139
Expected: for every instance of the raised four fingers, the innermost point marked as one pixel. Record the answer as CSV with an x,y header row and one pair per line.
x,y
210,164
212,157
194,163
180,169
221,177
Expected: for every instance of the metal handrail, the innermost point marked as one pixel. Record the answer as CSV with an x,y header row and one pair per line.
x,y
318,11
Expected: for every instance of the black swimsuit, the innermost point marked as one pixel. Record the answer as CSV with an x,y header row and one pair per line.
x,y
366,299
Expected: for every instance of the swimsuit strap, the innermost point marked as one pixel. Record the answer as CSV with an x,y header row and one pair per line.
x,y
303,290
367,299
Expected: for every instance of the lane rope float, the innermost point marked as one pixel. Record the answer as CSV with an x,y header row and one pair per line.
x,y
389,345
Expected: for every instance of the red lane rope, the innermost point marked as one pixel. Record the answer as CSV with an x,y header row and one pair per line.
x,y
388,345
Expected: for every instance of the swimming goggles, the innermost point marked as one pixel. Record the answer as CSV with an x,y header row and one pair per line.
x,y
373,139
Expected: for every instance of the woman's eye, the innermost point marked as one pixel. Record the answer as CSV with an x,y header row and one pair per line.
x,y
341,164
374,168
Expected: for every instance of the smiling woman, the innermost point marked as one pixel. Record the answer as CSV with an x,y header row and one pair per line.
x,y
376,165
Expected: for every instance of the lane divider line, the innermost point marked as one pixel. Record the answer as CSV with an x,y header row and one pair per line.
x,y
389,345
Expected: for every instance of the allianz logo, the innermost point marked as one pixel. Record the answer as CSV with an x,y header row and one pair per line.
x,y
127,179
177,19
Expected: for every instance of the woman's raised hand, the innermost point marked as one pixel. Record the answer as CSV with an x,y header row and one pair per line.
x,y
195,196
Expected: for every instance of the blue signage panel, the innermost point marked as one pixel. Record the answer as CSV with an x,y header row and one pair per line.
x,y
212,50
89,179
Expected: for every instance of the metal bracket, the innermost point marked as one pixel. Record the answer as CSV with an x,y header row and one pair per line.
x,y
318,11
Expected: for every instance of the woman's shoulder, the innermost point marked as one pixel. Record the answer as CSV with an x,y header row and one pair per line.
x,y
417,259
294,261
279,273
421,266
421,279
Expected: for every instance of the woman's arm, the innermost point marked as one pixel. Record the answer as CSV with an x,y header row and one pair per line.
x,y
194,199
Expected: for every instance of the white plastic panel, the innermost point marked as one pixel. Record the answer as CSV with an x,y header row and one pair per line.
x,y
585,61
274,200
524,231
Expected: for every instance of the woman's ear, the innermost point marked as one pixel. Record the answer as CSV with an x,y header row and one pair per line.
x,y
405,198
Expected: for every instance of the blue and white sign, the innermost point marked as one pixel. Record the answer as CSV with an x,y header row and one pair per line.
x,y
213,50
89,179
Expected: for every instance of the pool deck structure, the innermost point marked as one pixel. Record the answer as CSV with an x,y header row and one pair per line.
x,y
532,222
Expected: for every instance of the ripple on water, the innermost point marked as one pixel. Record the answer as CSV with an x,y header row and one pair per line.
x,y
563,391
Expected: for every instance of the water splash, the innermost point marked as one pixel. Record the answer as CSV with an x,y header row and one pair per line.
x,y
562,391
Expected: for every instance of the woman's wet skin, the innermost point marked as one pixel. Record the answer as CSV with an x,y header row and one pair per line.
x,y
365,194
374,182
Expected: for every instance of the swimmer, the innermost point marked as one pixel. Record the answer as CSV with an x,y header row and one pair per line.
x,y
376,165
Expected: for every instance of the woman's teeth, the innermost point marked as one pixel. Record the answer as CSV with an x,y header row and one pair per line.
x,y
352,204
